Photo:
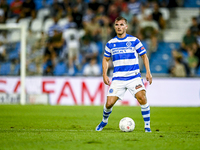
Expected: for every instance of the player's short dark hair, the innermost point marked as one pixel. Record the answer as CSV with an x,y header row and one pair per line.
x,y
121,18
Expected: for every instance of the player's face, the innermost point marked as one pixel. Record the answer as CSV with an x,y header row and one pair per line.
x,y
120,27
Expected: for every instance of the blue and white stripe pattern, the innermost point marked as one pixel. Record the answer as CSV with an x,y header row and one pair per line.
x,y
145,109
124,52
106,115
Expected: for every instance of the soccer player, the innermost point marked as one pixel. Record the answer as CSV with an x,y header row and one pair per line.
x,y
124,50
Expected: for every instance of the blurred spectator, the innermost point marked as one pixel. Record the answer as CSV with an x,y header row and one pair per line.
x,y
194,28
101,11
92,69
54,27
58,42
67,7
15,8
93,28
81,6
149,31
57,9
120,4
134,7
113,13
3,54
126,14
196,48
198,17
70,23
93,4
158,17
106,4
77,16
88,15
49,58
178,70
143,15
188,39
134,25
48,71
4,7
89,49
148,27
171,5
106,29
4,37
192,61
72,40
2,20
28,9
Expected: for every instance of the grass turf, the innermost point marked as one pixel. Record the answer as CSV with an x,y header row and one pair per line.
x,y
73,128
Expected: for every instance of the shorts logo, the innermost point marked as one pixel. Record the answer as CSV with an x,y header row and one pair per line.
x,y
138,86
111,91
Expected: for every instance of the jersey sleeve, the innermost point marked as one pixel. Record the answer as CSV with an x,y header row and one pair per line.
x,y
140,48
107,52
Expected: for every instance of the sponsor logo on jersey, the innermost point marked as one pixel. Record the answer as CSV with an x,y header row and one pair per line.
x,y
142,48
128,44
138,86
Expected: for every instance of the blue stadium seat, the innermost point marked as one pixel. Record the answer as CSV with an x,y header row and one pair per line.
x,y
198,71
60,69
16,69
160,61
5,68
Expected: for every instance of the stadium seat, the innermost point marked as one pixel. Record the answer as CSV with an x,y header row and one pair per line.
x,y
16,69
198,71
60,69
5,68
25,22
164,11
36,25
63,21
11,20
47,23
42,13
15,36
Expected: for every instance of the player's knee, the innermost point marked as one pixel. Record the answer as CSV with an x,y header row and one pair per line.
x,y
142,100
109,105
141,97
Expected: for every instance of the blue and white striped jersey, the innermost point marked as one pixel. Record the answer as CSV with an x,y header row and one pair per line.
x,y
124,53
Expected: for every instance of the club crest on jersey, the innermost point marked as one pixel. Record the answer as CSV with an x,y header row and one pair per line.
x,y
111,91
138,86
128,44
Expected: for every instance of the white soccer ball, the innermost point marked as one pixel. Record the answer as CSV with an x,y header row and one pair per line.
x,y
126,124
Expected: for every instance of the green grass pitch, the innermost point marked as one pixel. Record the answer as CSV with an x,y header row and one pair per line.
x,y
38,127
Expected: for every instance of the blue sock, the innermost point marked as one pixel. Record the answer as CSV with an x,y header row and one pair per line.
x,y
106,114
145,109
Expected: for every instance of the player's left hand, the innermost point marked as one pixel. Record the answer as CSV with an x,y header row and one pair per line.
x,y
149,77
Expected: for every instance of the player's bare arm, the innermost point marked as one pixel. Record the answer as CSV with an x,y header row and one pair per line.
x,y
105,69
146,64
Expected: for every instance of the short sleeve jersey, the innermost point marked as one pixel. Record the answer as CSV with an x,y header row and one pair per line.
x,y
124,53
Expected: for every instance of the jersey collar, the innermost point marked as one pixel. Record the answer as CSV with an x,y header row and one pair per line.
x,y
122,38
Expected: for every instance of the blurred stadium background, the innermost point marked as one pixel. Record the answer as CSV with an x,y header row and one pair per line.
x,y
65,42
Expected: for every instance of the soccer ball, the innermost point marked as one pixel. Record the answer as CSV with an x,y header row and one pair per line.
x,y
126,124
